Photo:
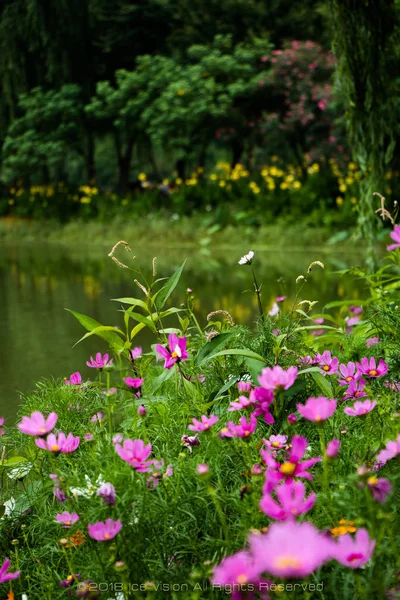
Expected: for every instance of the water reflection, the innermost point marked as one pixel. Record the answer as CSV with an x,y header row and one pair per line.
x,y
37,282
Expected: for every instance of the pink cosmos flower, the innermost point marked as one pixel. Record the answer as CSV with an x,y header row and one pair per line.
x,y
354,553
317,409
328,364
349,373
36,424
292,467
360,408
280,298
306,360
395,235
241,403
204,424
63,443
4,576
60,494
274,310
352,321
142,411
394,385
356,310
371,341
202,469
262,399
244,386
275,442
355,389
117,439
290,550
2,432
244,429
292,419
74,379
272,379
67,519
380,488
391,450
88,437
292,501
368,367
319,321
177,352
136,352
97,417
100,362
103,532
135,453
107,492
237,571
332,448
134,383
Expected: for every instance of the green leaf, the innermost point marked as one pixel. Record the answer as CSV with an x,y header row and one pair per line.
x,y
109,334
158,381
254,368
141,319
227,385
132,302
323,384
212,346
117,344
164,293
238,352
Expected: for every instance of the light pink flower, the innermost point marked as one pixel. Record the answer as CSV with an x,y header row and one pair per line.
x,y
244,386
391,450
360,408
355,389
37,424
100,362
274,310
102,532
369,367
332,448
275,442
241,403
349,373
280,298
63,443
135,453
354,553
371,341
292,501
97,417
67,519
237,571
202,469
395,235
290,550
204,424
136,352
328,364
177,352
272,379
317,409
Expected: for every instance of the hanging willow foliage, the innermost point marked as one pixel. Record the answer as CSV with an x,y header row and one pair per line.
x,y
364,43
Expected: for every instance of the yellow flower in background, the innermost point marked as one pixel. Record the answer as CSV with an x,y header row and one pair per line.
x,y
342,187
284,185
165,181
339,200
142,177
180,92
86,200
222,183
213,177
349,180
353,200
297,185
191,181
178,181
343,528
352,166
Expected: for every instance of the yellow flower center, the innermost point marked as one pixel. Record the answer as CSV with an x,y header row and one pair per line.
x,y
42,430
288,560
326,367
54,448
247,432
224,430
372,480
107,535
288,468
69,578
174,355
349,378
67,522
372,372
242,579
318,418
275,444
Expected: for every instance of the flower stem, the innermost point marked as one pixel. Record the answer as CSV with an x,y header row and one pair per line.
x,y
325,466
258,293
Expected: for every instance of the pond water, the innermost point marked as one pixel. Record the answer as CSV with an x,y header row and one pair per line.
x,y
37,283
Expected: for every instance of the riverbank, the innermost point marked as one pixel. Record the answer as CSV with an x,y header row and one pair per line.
x,y
186,232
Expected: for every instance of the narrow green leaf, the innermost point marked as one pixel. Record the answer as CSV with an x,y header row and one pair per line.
x,y
110,335
238,352
323,384
212,346
164,293
132,302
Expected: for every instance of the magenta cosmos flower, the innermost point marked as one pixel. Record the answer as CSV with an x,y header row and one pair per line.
x,y
360,408
349,373
241,403
327,363
74,379
332,448
292,467
237,571
102,532
4,576
2,432
275,378
244,386
177,352
67,519
290,550
262,399
355,389
100,362
292,501
354,553
63,443
368,367
135,453
133,382
37,424
395,235
136,352
204,424
244,429
317,409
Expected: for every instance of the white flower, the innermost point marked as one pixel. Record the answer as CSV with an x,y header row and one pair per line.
x,y
90,488
274,310
247,259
